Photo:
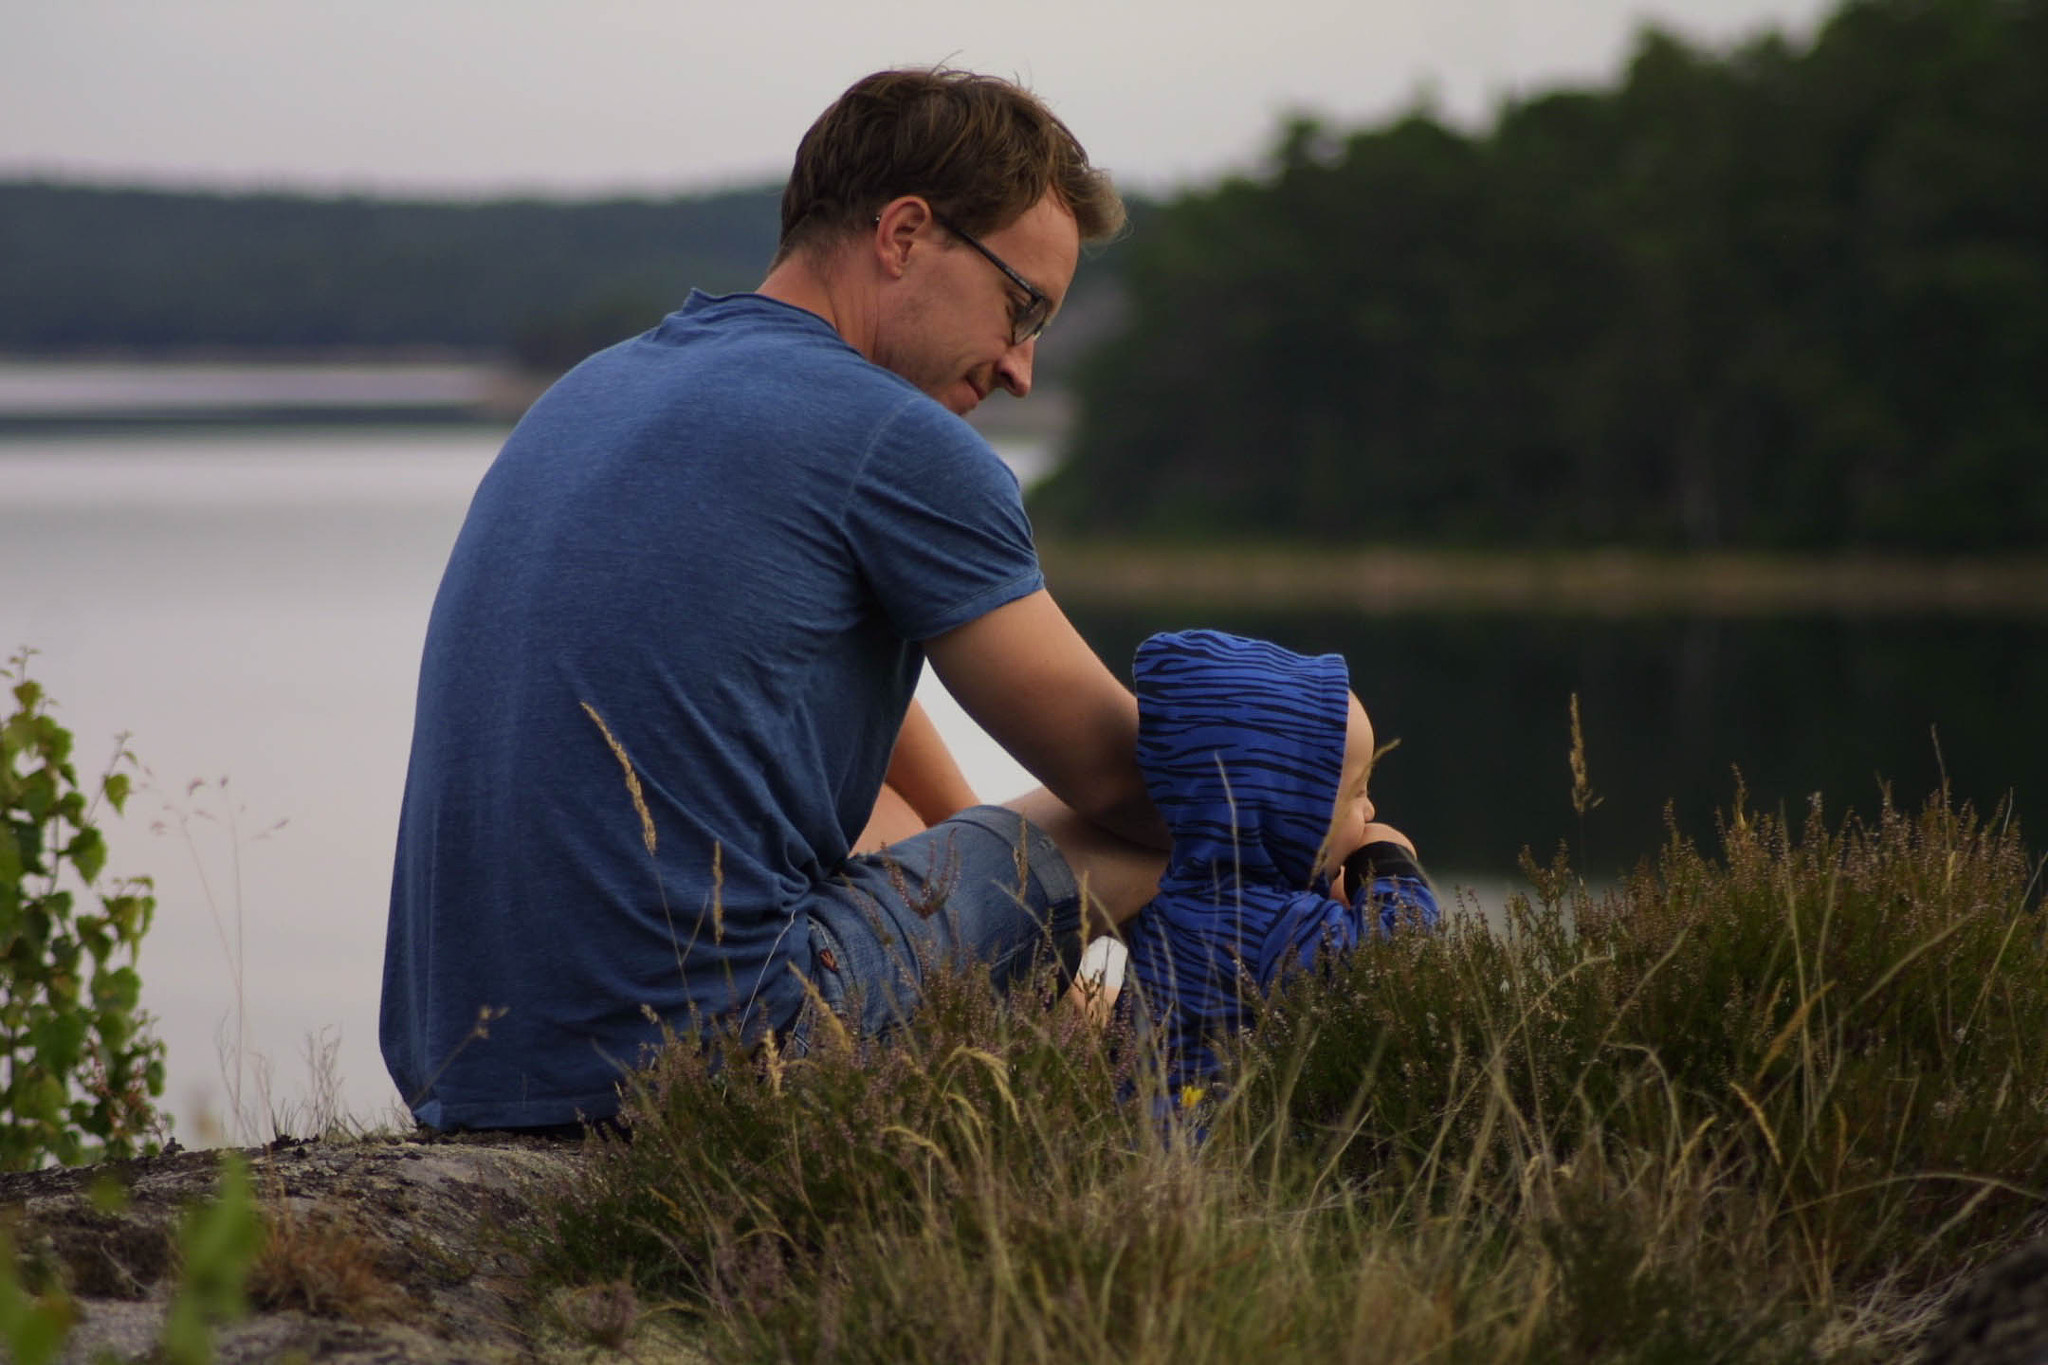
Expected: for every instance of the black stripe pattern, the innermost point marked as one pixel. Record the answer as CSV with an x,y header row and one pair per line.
x,y
1242,747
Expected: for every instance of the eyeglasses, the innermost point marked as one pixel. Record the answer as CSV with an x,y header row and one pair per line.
x,y
1025,322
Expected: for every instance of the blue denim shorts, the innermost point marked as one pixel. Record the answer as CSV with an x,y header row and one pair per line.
x,y
983,888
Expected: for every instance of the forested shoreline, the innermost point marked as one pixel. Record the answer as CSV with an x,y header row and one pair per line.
x,y
90,269
1784,297
168,274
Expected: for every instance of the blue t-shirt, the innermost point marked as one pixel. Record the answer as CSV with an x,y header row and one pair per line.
x,y
708,553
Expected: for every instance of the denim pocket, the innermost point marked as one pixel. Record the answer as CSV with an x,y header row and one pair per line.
x,y
828,968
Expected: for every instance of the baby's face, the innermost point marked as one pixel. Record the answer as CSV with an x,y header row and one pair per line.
x,y
1354,807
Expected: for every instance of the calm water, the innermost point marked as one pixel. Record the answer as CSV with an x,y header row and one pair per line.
x,y
250,606
1672,708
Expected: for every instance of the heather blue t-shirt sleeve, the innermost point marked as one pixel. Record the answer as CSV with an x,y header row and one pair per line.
x,y
936,523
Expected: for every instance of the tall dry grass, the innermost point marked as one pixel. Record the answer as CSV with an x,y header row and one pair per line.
x,y
1764,1104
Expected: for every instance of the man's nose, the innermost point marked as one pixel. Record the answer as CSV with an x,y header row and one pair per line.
x,y
1013,371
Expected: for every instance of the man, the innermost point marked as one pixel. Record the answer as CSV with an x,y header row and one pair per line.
x,y
672,658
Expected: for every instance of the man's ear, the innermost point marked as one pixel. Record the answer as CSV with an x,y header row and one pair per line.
x,y
896,231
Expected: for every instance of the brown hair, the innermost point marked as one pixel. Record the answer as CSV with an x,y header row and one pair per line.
x,y
981,149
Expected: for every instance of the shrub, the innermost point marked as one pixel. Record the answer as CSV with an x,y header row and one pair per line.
x,y
1834,1033
78,1069
1763,1106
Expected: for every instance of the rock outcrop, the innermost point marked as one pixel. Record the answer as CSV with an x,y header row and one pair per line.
x,y
2000,1317
382,1250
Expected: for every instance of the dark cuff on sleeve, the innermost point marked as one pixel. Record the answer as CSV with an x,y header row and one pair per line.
x,y
1383,859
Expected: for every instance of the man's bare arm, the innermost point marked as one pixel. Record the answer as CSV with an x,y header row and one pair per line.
x,y
923,772
1027,677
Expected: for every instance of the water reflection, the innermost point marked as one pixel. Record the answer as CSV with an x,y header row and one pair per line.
x,y
1672,707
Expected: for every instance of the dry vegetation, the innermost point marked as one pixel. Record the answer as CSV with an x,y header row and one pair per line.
x,y
1771,1104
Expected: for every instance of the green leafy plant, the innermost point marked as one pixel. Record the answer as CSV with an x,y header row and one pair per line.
x,y
220,1241
79,1070
33,1326
218,1244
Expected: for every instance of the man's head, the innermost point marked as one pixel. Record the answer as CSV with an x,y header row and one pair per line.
x,y
980,150
935,218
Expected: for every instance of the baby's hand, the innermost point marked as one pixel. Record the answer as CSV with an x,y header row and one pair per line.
x,y
1376,833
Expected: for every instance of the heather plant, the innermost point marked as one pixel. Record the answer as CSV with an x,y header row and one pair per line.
x,y
1766,1104
997,1181
759,1163
1843,1020
79,1072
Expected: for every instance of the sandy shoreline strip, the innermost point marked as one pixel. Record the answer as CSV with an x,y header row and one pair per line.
x,y
1594,582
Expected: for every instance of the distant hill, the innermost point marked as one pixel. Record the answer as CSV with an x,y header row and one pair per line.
x,y
97,269
85,270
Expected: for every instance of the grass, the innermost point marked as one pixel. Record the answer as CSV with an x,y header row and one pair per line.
x,y
314,1261
215,830
1768,1103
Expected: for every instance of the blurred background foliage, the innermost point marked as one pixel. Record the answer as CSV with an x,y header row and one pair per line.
x,y
97,269
1775,298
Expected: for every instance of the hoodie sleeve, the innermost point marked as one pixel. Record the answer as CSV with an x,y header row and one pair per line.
x,y
1390,887
1387,886
1313,927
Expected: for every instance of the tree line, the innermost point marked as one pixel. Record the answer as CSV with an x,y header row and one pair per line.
x,y
1781,296
543,283
94,269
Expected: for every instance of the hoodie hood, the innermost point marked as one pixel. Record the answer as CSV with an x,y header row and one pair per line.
x,y
1242,747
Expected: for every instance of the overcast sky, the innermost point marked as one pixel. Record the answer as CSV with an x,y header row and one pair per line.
x,y
480,96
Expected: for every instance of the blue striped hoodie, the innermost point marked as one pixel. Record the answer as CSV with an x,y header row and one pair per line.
x,y
1242,747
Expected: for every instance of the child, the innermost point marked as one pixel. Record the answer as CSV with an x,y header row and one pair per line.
x,y
1258,759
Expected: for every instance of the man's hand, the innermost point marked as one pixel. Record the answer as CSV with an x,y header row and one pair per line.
x,y
1028,678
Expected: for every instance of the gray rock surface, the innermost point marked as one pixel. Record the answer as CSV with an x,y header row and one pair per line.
x,y
379,1250
1999,1317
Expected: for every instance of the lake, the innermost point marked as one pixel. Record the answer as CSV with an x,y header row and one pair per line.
x,y
249,602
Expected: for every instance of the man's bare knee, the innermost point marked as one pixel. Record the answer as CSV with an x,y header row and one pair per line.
x,y
1117,876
